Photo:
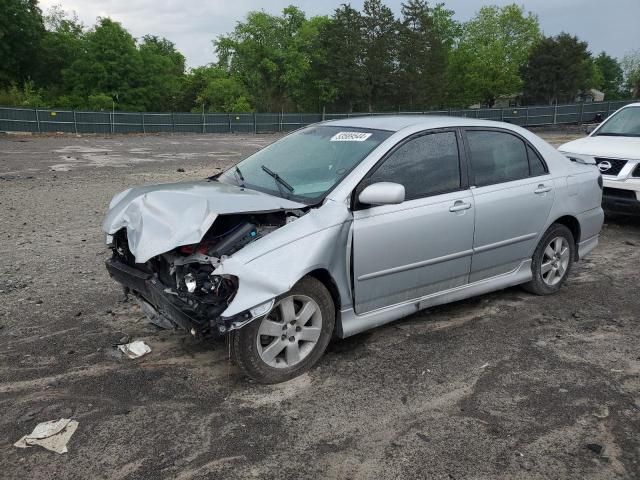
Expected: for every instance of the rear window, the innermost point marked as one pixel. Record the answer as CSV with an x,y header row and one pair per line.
x,y
497,157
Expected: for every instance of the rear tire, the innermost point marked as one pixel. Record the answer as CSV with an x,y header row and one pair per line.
x,y
290,339
552,261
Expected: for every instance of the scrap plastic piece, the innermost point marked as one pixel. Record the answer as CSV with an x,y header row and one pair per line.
x,y
135,349
52,435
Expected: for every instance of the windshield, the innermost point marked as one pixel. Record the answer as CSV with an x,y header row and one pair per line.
x,y
305,165
625,123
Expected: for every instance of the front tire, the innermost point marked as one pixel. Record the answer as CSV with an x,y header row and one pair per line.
x,y
291,338
552,261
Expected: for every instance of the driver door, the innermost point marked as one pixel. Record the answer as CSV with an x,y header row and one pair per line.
x,y
423,245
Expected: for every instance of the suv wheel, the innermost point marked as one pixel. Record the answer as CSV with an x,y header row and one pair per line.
x,y
291,338
552,260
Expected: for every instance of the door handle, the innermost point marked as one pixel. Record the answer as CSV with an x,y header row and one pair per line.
x,y
542,189
459,205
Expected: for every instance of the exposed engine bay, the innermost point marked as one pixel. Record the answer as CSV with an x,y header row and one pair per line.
x,y
180,288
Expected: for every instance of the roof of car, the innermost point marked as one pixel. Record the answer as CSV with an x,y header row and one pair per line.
x,y
395,123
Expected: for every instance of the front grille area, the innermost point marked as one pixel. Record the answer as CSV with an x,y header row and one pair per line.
x,y
636,172
616,166
619,193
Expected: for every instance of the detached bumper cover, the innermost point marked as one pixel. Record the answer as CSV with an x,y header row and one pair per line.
x,y
148,287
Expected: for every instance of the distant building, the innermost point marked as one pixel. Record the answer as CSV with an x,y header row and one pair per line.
x,y
505,101
591,95
502,101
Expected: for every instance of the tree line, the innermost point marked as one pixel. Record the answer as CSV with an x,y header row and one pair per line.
x,y
367,60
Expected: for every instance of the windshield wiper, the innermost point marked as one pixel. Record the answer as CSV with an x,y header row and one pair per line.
x,y
237,171
277,178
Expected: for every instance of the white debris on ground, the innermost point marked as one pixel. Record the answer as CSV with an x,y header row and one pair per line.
x,y
135,349
52,435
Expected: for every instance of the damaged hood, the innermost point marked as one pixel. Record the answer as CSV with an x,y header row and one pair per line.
x,y
159,218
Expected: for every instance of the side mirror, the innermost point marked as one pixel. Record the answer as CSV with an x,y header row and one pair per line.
x,y
590,128
382,193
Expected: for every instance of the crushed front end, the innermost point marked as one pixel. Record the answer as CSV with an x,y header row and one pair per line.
x,y
180,288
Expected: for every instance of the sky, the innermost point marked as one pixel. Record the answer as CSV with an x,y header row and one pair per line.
x,y
609,25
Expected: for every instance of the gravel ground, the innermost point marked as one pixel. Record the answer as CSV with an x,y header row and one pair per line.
x,y
503,386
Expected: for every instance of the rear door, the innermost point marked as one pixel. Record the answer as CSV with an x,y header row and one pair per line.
x,y
513,194
423,245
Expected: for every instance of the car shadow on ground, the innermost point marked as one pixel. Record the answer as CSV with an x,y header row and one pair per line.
x,y
437,318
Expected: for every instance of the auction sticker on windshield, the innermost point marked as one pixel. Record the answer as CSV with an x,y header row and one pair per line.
x,y
350,137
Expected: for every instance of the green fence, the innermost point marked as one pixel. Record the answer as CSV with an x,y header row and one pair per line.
x,y
47,120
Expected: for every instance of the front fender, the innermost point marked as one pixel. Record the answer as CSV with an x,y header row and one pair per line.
x,y
275,271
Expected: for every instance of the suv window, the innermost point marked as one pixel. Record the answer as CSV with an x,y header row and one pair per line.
x,y
425,165
496,157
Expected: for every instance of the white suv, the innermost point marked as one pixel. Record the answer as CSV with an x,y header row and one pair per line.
x,y
615,148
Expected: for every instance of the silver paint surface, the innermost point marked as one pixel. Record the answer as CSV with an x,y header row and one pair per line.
x,y
405,257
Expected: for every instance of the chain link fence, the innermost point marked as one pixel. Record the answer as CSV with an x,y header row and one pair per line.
x,y
38,120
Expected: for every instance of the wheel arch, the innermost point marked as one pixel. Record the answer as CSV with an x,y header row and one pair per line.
x,y
573,225
324,276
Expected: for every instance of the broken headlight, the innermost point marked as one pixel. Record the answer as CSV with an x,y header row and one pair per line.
x,y
190,282
200,280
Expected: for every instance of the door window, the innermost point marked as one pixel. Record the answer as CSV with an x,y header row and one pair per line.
x,y
535,163
497,157
425,165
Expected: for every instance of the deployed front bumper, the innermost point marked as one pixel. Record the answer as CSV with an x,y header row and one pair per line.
x,y
165,308
149,289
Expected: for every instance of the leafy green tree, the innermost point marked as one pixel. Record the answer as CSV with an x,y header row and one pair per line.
x,y
493,47
342,44
631,69
224,94
194,82
27,96
611,76
99,101
269,55
422,58
60,46
557,69
109,65
11,96
312,90
446,28
219,92
351,61
21,29
379,34
161,73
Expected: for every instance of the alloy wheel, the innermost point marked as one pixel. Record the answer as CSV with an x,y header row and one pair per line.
x,y
555,261
290,331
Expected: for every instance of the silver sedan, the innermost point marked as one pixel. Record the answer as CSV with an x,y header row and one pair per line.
x,y
347,225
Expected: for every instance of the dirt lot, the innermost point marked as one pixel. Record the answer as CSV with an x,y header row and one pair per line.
x,y
503,386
